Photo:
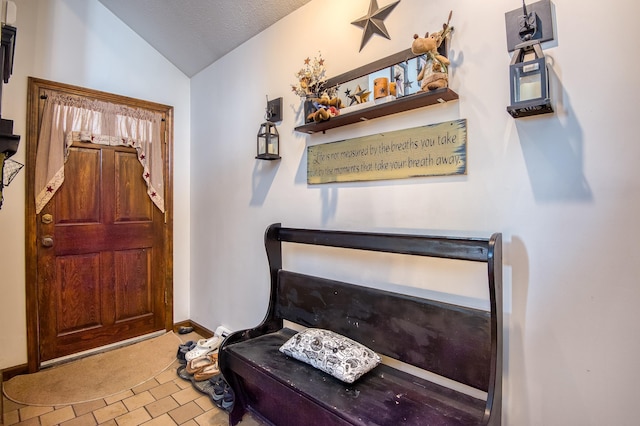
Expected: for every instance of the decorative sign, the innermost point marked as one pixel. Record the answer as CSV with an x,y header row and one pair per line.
x,y
434,150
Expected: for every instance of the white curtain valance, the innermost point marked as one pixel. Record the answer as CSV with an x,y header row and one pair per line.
x,y
67,119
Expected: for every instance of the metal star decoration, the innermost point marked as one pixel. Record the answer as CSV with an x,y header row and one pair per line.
x,y
353,98
408,84
361,95
373,22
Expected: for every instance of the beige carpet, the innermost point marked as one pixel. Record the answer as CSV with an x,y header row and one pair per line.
x,y
96,376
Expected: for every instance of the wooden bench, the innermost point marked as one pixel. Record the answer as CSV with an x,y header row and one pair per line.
x,y
459,343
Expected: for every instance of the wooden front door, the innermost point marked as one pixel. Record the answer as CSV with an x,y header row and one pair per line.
x,y
102,251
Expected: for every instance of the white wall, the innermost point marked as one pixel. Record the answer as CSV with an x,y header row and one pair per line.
x,y
80,42
562,188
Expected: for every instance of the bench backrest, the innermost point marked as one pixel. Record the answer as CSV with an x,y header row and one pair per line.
x,y
461,343
448,340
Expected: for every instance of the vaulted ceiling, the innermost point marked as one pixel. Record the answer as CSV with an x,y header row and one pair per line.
x,y
193,34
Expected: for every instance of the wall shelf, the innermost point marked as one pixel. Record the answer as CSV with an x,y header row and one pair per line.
x,y
9,144
8,141
405,103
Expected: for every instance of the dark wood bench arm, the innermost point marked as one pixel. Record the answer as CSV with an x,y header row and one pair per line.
x,y
493,412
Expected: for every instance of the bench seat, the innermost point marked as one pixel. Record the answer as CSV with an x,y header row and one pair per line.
x,y
385,394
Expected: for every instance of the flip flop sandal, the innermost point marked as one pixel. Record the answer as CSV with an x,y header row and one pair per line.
x,y
203,347
207,372
198,364
205,386
182,373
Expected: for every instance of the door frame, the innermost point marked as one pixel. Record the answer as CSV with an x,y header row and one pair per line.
x,y
35,85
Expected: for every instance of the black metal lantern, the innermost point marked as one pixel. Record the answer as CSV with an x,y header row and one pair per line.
x,y
529,81
268,142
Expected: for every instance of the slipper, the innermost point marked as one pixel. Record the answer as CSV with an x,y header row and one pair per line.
x,y
183,349
198,364
187,345
207,372
203,347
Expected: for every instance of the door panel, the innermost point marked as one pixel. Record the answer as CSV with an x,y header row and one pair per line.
x,y
80,202
129,185
78,293
133,284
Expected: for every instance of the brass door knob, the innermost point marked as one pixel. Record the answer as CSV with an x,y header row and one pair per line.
x,y
47,241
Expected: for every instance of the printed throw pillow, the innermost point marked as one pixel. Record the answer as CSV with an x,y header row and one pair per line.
x,y
332,353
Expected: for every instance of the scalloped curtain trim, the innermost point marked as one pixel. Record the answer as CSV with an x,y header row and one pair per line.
x,y
67,119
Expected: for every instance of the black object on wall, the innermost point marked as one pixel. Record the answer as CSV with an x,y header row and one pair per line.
x,y
8,141
268,143
529,78
537,22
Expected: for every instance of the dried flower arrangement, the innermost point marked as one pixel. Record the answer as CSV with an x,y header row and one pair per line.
x,y
311,78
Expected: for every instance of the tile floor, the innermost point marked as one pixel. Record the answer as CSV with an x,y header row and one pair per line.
x,y
165,400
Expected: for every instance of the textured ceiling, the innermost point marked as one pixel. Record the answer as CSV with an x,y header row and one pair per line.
x,y
193,34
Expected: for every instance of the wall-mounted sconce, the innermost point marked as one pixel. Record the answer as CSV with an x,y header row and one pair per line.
x,y
529,81
268,141
268,146
526,29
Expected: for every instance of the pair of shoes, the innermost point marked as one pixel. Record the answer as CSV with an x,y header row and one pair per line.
x,y
199,376
198,364
204,347
219,387
218,390
227,400
207,372
185,329
183,349
222,394
203,368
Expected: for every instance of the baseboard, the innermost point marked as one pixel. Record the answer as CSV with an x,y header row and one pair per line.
x,y
203,331
10,372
